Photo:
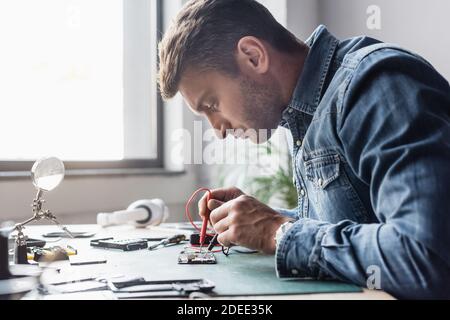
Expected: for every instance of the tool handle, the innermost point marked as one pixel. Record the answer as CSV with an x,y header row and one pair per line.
x,y
203,232
205,221
176,238
173,239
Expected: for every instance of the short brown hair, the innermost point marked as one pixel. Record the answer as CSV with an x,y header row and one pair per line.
x,y
205,34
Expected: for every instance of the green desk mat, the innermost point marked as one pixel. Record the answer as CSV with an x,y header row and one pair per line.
x,y
237,274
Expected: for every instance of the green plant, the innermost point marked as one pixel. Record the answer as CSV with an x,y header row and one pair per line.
x,y
277,185
269,186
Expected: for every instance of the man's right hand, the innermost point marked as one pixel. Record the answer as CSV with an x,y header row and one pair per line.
x,y
217,198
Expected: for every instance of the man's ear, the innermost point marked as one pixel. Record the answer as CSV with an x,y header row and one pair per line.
x,y
252,55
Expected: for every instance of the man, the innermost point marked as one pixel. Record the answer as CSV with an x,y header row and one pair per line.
x,y
370,135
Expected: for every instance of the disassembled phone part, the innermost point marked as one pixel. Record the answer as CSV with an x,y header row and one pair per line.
x,y
196,257
125,244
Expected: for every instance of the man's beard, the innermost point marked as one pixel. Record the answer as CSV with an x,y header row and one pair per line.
x,y
262,108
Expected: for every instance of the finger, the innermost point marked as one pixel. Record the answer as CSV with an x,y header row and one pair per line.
x,y
223,225
213,204
202,205
221,195
220,212
224,239
225,194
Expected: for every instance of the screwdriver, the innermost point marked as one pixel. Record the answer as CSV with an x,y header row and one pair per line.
x,y
171,240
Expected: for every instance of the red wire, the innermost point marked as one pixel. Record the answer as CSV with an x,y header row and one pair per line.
x,y
188,214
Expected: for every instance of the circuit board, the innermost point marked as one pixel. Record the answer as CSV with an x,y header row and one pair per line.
x,y
196,257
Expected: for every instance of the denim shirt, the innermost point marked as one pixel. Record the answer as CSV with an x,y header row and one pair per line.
x,y
370,129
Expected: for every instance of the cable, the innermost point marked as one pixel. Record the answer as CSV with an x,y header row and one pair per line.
x,y
226,251
188,203
189,217
245,251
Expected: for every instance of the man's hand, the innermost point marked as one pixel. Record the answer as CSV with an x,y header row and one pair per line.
x,y
243,220
218,197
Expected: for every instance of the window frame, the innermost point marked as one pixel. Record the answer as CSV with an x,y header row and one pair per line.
x,y
19,168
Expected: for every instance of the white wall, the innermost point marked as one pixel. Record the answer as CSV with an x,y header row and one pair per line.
x,y
418,25
302,17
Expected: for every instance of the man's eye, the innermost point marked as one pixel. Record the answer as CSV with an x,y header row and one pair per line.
x,y
208,108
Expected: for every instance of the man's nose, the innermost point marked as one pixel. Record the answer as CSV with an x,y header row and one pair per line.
x,y
220,131
220,128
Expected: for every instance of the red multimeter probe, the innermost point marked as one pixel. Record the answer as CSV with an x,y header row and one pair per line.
x,y
203,231
205,220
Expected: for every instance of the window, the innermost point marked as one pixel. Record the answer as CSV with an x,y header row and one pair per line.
x,y
78,82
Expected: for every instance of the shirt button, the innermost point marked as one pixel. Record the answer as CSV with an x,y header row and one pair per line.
x,y
298,143
290,110
320,182
302,192
294,271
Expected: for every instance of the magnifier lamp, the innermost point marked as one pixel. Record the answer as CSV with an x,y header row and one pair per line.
x,y
46,174
17,279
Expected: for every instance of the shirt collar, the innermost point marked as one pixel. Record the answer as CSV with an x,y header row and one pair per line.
x,y
308,91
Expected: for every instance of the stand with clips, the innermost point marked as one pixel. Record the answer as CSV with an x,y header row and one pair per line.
x,y
20,251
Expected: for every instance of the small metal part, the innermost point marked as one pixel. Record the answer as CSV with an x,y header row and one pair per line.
x,y
196,257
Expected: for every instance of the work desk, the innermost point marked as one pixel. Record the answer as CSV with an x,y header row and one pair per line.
x,y
161,264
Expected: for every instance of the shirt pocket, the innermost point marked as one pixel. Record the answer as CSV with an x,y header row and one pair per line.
x,y
334,197
322,171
